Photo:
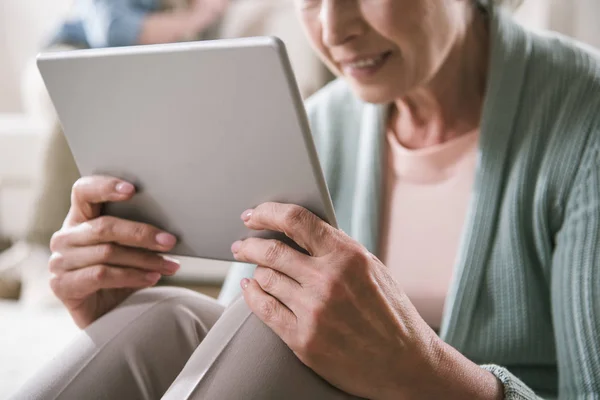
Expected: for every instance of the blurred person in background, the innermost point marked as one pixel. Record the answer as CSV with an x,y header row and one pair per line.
x,y
112,23
462,154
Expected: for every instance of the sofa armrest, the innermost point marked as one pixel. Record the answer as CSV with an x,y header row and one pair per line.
x,y
21,141
20,147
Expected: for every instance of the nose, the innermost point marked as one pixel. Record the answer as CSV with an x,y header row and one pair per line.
x,y
340,22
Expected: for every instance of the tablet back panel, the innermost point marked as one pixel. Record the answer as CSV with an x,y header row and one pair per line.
x,y
204,130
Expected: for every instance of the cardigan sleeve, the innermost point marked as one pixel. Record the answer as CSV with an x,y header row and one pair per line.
x,y
575,282
514,388
574,290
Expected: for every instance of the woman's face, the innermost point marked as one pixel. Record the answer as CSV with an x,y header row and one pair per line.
x,y
384,48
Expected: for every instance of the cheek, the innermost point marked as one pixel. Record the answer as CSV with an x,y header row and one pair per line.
x,y
393,19
312,29
400,29
417,30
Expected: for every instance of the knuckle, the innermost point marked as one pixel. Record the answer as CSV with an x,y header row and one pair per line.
x,y
140,232
99,273
355,259
79,185
57,240
267,278
361,254
56,262
268,309
274,251
106,251
102,227
321,231
362,259
294,216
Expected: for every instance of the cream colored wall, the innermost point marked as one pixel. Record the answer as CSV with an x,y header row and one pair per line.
x,y
534,13
23,26
578,18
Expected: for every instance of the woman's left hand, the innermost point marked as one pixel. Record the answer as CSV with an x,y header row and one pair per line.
x,y
338,308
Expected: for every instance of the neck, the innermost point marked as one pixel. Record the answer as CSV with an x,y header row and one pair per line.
x,y
451,103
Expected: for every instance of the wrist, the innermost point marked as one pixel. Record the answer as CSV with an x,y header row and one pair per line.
x,y
453,376
413,370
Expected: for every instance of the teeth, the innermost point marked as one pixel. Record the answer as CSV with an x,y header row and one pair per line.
x,y
366,62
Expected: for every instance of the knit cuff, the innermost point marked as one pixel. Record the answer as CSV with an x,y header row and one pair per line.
x,y
514,388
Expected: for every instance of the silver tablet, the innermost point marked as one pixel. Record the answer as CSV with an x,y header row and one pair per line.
x,y
204,130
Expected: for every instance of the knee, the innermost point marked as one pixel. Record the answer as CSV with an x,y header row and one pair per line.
x,y
171,303
159,312
167,294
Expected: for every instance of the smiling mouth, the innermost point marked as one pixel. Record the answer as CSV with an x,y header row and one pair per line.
x,y
364,69
367,62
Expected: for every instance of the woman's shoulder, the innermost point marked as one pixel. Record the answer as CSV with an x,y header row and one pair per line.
x,y
562,91
565,69
559,110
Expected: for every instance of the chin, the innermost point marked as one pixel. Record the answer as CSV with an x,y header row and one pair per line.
x,y
375,93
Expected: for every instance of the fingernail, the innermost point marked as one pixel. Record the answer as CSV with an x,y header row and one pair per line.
x,y
125,188
153,277
166,239
244,283
172,266
246,215
235,247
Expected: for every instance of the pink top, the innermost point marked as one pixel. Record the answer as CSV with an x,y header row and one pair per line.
x,y
427,192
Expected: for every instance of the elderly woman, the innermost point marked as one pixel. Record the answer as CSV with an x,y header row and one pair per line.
x,y
447,117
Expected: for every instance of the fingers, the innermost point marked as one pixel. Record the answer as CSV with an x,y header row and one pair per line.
x,y
110,254
269,310
83,282
303,227
108,229
273,254
278,285
90,192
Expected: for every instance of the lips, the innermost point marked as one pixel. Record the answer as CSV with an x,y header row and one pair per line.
x,y
366,62
363,67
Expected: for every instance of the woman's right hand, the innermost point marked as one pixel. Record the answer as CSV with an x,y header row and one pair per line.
x,y
98,261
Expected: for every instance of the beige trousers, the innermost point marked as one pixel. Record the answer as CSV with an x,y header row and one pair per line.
x,y
176,344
